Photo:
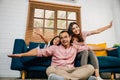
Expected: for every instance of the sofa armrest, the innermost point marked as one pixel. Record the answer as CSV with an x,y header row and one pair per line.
x,y
19,47
114,53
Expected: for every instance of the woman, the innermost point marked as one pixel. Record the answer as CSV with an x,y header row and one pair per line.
x,y
54,41
79,38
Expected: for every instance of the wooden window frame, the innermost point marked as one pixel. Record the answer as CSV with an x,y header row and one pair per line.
x,y
50,6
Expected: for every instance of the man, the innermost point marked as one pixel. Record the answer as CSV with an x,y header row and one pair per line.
x,y
62,65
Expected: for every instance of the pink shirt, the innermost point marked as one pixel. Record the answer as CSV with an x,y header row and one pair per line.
x,y
61,56
85,34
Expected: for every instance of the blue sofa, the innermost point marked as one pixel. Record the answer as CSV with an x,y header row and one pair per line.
x,y
110,63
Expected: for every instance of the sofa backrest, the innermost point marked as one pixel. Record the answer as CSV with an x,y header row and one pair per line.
x,y
32,45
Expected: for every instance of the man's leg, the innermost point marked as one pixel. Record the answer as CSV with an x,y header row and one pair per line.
x,y
53,76
83,72
32,52
61,72
92,78
79,73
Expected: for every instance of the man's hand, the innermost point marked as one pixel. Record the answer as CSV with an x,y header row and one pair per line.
x,y
15,55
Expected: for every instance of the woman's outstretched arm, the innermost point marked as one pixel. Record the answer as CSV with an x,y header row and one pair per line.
x,y
38,32
97,31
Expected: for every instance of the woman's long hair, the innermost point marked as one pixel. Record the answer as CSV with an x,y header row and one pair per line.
x,y
79,36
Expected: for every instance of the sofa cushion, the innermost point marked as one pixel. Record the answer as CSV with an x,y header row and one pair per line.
x,y
104,62
115,53
108,62
28,59
36,61
35,68
32,45
100,53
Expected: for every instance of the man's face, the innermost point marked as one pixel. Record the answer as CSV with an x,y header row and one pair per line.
x,y
65,39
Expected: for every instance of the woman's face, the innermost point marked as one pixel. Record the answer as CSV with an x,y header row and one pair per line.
x,y
56,41
75,29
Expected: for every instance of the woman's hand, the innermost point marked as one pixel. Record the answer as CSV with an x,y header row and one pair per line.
x,y
110,25
37,32
110,49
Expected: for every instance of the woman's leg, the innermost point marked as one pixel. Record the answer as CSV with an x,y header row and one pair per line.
x,y
94,62
83,57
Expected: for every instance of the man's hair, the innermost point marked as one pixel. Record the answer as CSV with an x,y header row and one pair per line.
x,y
63,32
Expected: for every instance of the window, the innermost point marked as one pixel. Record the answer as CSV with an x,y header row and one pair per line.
x,y
50,19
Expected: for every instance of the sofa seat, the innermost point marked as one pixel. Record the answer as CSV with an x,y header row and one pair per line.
x,y
110,63
36,61
35,68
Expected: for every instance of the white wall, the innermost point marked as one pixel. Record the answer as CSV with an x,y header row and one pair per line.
x,y
116,17
96,14
13,17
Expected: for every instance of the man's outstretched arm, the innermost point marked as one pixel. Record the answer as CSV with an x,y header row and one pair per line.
x,y
32,52
35,52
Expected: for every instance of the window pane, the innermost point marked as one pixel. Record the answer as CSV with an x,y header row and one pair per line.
x,y
49,14
62,14
61,24
70,22
58,31
49,23
39,13
38,23
72,15
49,34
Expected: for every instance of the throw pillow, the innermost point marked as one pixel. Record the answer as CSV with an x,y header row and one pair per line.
x,y
102,52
